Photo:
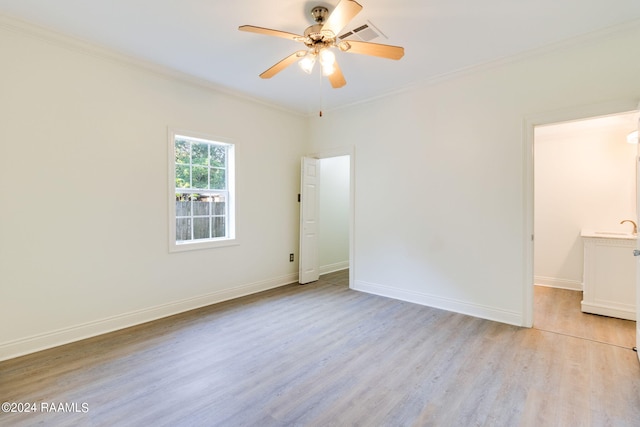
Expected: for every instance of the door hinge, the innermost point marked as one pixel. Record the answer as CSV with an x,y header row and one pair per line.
x,y
298,197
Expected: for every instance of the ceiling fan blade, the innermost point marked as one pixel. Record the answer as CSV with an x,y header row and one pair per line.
x,y
336,78
283,64
270,32
373,49
344,12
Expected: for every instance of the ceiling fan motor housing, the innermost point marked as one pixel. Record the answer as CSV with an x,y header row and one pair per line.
x,y
314,36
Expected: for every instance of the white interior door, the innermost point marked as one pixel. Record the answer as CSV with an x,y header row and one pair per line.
x,y
308,268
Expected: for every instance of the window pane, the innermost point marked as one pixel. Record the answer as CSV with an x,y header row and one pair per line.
x,y
182,151
219,229
218,179
183,176
183,229
219,207
183,206
201,185
201,227
201,207
219,156
200,177
200,153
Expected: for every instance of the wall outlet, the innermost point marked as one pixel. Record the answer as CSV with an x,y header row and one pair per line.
x,y
290,257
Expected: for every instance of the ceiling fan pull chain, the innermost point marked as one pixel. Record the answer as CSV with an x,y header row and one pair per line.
x,y
321,98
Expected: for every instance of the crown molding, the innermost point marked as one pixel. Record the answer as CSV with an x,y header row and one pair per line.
x,y
67,41
11,23
580,40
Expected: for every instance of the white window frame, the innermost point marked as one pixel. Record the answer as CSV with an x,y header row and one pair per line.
x,y
231,238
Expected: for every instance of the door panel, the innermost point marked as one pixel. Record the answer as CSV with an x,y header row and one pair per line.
x,y
308,268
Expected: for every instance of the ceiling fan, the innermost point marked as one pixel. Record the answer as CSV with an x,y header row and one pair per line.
x,y
321,37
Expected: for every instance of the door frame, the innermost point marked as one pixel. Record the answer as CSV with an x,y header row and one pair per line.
x,y
530,122
637,218
351,152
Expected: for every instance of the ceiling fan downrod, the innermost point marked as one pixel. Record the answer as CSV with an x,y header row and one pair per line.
x,y
319,14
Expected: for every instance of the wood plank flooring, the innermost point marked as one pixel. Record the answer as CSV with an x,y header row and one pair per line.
x,y
324,355
558,310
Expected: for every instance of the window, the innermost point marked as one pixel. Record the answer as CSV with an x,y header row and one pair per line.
x,y
202,202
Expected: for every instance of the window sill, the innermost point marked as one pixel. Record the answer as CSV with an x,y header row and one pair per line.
x,y
194,246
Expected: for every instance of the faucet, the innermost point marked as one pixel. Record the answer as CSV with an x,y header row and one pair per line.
x,y
635,226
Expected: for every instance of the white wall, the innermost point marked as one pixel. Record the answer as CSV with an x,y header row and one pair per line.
x,y
584,179
83,176
451,154
333,247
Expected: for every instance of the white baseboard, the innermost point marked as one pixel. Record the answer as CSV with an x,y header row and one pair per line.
x,y
330,268
553,282
475,310
59,337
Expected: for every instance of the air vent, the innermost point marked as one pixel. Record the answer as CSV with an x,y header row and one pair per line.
x,y
365,32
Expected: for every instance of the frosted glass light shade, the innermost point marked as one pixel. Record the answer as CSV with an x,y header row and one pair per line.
x,y
327,58
307,63
632,138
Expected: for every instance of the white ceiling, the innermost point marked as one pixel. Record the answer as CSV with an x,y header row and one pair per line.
x,y
201,38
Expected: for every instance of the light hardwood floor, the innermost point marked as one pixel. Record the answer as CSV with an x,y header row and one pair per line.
x,y
324,355
558,310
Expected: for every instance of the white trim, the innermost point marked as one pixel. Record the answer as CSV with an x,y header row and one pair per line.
x,y
337,266
70,334
553,282
530,122
527,225
449,304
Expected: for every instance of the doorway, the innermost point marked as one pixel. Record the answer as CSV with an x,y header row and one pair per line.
x,y
584,178
333,242
334,247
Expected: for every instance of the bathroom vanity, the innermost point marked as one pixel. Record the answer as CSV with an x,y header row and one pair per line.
x,y
609,274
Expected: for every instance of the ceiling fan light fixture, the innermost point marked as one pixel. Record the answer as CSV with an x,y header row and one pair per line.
x,y
344,46
327,58
328,69
307,63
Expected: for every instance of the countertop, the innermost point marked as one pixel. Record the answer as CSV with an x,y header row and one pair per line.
x,y
608,235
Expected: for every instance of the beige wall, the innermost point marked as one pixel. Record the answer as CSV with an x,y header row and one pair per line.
x,y
453,156
84,217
